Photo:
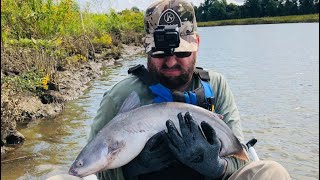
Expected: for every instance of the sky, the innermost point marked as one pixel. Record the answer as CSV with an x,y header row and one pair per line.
x,y
102,6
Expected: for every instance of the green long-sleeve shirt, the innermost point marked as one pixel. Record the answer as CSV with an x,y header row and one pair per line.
x,y
224,104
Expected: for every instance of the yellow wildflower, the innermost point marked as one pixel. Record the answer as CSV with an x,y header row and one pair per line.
x,y
45,81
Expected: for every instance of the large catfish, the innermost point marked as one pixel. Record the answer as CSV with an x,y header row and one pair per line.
x,y
124,137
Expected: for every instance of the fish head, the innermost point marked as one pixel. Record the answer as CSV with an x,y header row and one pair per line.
x,y
96,156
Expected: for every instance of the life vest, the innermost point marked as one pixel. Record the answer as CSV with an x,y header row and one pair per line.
x,y
202,96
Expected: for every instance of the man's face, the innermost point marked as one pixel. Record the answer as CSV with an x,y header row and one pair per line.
x,y
172,71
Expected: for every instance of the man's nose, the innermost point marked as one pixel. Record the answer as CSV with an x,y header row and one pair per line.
x,y
170,61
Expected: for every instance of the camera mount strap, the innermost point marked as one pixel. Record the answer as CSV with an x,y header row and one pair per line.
x,y
202,96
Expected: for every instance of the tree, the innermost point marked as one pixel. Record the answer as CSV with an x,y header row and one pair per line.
x,y
244,12
269,7
306,6
280,8
217,11
253,8
316,6
200,13
203,10
233,11
291,7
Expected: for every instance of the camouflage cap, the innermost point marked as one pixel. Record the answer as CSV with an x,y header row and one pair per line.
x,y
172,12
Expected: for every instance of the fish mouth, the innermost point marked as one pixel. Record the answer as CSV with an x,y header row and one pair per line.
x,y
73,172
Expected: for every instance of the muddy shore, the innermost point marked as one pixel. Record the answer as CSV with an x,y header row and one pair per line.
x,y
72,83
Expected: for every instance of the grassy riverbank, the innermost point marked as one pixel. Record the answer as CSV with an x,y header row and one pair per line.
x,y
50,50
264,20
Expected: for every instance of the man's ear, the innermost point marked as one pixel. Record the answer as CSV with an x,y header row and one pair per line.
x,y
198,41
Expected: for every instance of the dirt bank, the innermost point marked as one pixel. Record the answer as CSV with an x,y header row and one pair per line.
x,y
71,84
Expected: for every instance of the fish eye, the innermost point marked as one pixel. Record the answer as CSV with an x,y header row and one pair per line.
x,y
79,164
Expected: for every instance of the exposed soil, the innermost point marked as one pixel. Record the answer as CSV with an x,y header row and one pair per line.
x,y
72,83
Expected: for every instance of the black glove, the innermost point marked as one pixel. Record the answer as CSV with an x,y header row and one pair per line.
x,y
193,149
155,156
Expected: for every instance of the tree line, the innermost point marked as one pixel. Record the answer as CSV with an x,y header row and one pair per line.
x,y
212,10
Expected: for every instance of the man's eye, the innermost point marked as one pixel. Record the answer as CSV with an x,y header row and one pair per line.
x,y
177,54
158,56
183,54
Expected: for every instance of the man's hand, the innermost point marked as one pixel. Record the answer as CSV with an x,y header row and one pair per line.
x,y
193,149
155,156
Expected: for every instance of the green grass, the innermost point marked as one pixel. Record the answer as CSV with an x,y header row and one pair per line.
x,y
264,20
48,35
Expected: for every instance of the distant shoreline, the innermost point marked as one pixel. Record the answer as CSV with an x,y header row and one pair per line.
x,y
263,20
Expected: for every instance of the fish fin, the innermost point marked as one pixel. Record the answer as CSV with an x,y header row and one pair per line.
x,y
241,155
131,102
219,115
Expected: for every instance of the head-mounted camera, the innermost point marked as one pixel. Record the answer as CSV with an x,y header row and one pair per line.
x,y
166,38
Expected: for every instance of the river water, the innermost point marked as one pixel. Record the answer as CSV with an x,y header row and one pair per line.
x,y
273,71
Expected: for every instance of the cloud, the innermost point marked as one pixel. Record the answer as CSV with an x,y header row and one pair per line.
x,y
237,2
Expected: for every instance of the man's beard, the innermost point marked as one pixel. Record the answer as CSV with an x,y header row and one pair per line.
x,y
173,82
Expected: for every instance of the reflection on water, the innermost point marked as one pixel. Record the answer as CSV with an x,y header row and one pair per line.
x,y
272,70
